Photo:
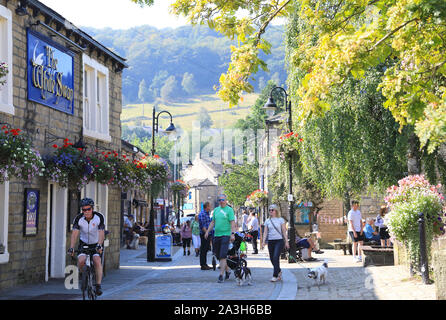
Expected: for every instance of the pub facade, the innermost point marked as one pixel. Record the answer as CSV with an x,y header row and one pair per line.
x,y
61,85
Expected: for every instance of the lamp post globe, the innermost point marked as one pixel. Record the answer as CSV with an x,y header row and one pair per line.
x,y
270,107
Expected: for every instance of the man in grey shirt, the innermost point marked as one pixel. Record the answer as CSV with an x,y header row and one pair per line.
x,y
253,227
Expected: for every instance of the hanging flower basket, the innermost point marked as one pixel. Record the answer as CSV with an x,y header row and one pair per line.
x,y
124,171
288,145
256,199
414,194
103,169
17,157
69,166
180,187
3,72
157,169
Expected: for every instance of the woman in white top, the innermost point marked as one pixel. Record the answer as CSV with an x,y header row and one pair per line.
x,y
275,234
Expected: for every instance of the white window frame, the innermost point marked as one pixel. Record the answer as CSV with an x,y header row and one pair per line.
x,y
96,93
6,91
4,214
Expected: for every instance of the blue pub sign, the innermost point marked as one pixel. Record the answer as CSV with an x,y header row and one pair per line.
x,y
50,73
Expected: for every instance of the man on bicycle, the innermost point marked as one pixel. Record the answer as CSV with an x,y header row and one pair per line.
x,y
90,226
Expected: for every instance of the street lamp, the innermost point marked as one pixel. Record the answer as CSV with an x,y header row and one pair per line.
x,y
270,108
151,234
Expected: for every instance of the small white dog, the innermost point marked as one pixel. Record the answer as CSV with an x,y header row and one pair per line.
x,y
319,274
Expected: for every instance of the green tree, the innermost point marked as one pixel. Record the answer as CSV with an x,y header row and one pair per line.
x,y
356,146
342,38
158,82
188,83
143,2
169,89
143,94
204,118
230,181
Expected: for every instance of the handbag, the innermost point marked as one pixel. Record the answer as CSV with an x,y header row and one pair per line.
x,y
266,240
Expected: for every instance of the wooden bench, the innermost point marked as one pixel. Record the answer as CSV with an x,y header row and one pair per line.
x,y
378,256
344,245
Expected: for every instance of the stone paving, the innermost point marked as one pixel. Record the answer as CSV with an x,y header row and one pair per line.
x,y
182,279
349,280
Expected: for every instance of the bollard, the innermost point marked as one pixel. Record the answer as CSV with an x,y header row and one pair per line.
x,y
424,268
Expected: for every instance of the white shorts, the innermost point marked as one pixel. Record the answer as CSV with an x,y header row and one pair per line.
x,y
196,240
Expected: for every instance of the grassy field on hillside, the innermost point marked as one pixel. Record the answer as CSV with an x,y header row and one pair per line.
x,y
184,113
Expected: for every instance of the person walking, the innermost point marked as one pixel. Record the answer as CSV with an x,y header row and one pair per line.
x,y
253,228
224,221
128,233
196,235
275,235
204,220
186,237
355,230
383,231
244,221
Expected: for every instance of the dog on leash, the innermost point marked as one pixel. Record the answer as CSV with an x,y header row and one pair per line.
x,y
242,274
319,274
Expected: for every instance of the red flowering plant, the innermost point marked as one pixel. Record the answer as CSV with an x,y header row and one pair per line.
x,y
69,166
157,169
103,169
256,199
288,145
413,195
180,187
17,156
124,173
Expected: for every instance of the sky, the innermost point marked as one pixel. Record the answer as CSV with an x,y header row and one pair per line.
x,y
115,14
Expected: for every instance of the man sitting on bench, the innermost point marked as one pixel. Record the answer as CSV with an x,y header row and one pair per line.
x,y
370,234
305,243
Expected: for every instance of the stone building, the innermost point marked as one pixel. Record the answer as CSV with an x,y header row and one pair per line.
x,y
202,178
62,84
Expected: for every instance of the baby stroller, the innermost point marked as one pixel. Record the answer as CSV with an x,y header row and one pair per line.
x,y
236,256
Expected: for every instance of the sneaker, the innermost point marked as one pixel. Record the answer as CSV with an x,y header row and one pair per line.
x,y
220,279
274,279
360,259
98,290
228,273
205,267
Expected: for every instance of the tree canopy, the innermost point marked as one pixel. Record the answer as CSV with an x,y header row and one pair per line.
x,y
337,39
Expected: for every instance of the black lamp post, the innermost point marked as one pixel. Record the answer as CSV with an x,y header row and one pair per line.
x,y
270,108
151,233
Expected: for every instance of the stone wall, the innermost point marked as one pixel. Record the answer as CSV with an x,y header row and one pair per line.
x,y
27,261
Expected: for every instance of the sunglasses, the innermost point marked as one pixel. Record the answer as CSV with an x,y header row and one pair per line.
x,y
221,199
85,210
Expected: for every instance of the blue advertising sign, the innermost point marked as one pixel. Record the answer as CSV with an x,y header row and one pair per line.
x,y
163,247
50,73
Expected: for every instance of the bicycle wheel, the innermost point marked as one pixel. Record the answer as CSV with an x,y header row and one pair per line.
x,y
91,290
84,284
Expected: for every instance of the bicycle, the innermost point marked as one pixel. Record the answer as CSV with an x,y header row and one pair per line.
x,y
88,274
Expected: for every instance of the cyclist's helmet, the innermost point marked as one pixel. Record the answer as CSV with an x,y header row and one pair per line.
x,y
87,202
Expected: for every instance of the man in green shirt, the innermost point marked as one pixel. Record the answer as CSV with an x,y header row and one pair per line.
x,y
224,221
